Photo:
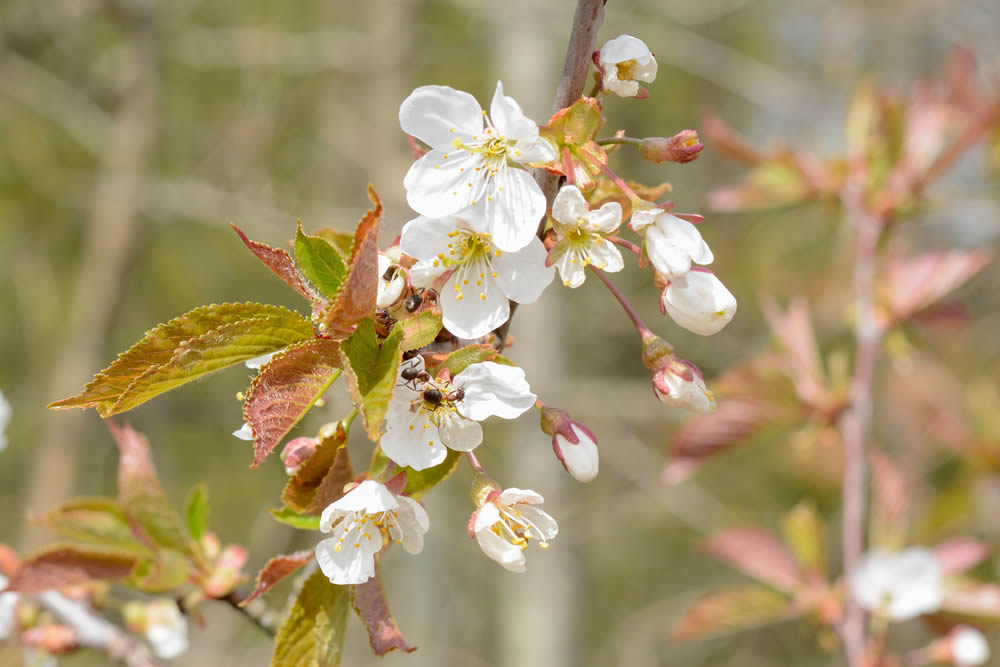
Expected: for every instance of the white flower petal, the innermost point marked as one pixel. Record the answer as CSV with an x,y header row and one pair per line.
x,y
510,120
493,390
166,641
508,555
424,238
413,523
606,219
569,206
461,434
257,362
350,565
969,647
486,516
606,256
532,151
547,526
523,275
419,447
369,497
244,432
573,274
645,72
425,274
514,495
439,114
624,48
620,87
685,235
699,302
439,186
472,316
516,208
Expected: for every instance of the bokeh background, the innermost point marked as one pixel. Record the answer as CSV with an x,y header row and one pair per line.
x,y
134,131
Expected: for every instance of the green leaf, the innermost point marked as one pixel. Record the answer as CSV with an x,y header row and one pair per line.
x,y
320,262
356,300
803,530
63,565
141,497
464,357
197,512
202,341
578,123
321,479
731,610
313,634
420,330
97,521
341,240
290,517
371,372
285,390
418,482
168,570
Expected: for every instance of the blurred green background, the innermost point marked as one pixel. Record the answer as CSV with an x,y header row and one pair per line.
x,y
135,131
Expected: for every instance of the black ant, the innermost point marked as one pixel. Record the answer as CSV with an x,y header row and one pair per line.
x,y
411,375
416,299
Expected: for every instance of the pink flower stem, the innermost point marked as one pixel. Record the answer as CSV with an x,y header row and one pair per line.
x,y
640,326
567,165
476,465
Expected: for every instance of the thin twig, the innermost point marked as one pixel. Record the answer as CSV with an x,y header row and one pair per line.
x,y
854,421
257,611
586,23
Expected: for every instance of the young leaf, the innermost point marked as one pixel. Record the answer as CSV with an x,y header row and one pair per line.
x,y
342,241
201,341
732,610
803,531
464,357
290,517
139,492
371,372
758,554
356,299
313,634
321,479
320,262
197,512
96,521
70,565
168,570
285,390
279,261
373,609
420,330
418,482
275,570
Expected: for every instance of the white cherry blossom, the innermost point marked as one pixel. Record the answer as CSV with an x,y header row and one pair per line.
x,y
427,416
624,61
390,283
900,585
8,609
480,276
699,302
360,521
506,521
968,647
166,629
472,161
580,236
671,243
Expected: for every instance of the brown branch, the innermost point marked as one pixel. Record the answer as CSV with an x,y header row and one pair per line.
x,y
257,611
586,22
854,422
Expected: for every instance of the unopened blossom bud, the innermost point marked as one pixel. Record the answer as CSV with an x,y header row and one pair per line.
x,y
228,571
296,452
682,147
680,384
574,444
699,302
968,647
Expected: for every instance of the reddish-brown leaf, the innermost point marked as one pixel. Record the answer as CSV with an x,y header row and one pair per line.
x,y
917,282
357,297
373,609
70,565
321,479
793,328
285,390
277,569
279,261
959,554
731,610
758,554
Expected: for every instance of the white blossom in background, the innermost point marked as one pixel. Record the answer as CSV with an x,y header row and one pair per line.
x,y
679,384
580,236
581,458
624,61
258,362
244,432
472,161
390,283
481,277
900,585
428,416
699,302
5,413
671,243
968,647
359,522
166,629
505,523
8,609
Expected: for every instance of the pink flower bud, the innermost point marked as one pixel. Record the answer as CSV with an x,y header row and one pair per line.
x,y
227,573
680,384
296,452
699,302
574,444
682,147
